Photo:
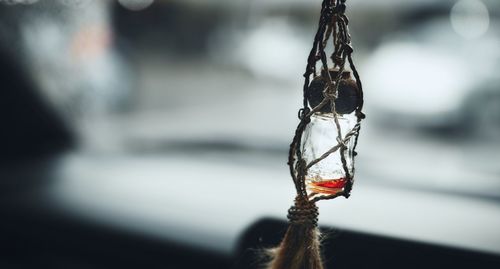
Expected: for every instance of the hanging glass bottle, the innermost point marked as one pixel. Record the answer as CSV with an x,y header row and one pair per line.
x,y
326,137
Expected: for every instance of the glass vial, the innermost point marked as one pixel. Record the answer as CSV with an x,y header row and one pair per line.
x,y
328,176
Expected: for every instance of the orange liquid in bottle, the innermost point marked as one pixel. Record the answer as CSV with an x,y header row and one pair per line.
x,y
332,186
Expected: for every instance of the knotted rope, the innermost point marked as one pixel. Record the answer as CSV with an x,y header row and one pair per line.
x,y
303,213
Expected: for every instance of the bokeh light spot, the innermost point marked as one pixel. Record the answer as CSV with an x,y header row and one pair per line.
x,y
470,18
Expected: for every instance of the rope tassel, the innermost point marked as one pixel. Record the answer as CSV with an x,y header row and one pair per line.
x,y
300,247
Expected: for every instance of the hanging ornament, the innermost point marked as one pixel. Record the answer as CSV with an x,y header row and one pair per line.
x,y
321,156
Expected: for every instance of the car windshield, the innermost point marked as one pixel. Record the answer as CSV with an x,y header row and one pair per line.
x,y
182,112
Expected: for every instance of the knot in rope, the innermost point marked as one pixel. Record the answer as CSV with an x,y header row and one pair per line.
x,y
330,94
348,49
360,114
303,112
305,213
341,142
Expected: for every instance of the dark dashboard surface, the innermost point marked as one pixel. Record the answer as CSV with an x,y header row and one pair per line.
x,y
36,236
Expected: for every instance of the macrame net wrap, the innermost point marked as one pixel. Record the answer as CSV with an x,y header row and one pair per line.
x,y
300,246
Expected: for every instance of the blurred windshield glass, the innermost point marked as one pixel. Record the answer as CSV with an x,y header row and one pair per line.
x,y
223,79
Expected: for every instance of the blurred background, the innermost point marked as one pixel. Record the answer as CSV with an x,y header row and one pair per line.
x,y
154,134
